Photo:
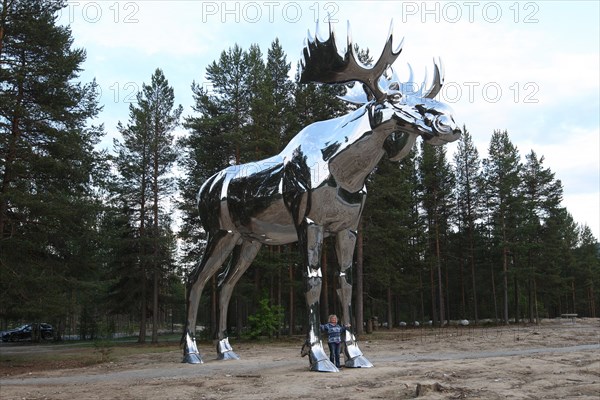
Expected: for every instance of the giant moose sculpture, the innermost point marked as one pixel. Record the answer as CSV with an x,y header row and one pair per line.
x,y
313,189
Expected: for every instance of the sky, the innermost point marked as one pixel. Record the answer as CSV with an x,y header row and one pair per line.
x,y
529,67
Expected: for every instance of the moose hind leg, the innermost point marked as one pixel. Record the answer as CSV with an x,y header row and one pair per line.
x,y
243,255
344,248
218,247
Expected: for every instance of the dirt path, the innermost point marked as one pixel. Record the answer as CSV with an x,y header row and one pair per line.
x,y
556,360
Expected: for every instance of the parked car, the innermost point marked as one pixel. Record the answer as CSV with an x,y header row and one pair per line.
x,y
24,333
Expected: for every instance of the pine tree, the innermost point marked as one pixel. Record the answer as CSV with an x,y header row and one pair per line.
x,y
436,182
229,79
315,102
48,204
467,169
540,239
586,272
391,227
145,159
501,171
281,88
216,134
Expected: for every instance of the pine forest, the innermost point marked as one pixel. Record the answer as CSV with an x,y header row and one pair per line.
x,y
99,241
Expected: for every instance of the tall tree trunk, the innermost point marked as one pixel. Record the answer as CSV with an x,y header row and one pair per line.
x,y
463,296
447,303
472,263
155,242
573,291
279,290
537,315
422,293
143,248
517,288
359,281
3,16
592,301
325,311
530,299
155,307
438,256
505,282
291,284
390,319
11,152
143,306
434,314
494,295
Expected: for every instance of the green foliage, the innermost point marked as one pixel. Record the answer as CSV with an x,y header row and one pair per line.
x,y
266,321
144,160
104,349
50,171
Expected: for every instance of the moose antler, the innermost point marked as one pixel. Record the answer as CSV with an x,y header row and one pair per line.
x,y
323,64
438,81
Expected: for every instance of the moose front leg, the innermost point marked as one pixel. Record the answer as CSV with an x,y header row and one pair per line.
x,y
344,248
310,242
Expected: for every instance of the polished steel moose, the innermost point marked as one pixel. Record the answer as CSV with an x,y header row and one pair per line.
x,y
314,188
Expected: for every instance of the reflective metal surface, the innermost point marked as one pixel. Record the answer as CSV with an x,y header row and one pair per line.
x,y
314,188
352,354
191,355
224,350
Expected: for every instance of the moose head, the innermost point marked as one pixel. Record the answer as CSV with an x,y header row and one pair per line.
x,y
415,111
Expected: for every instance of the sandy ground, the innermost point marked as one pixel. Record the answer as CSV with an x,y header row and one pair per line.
x,y
554,360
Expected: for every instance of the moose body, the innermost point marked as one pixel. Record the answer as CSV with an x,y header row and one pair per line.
x,y
266,200
314,188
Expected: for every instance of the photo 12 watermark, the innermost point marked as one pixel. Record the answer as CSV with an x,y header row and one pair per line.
x,y
489,92
469,11
118,12
117,92
268,11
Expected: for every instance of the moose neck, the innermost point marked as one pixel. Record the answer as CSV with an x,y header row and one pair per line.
x,y
364,148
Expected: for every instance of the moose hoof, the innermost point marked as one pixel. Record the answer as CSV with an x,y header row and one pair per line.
x,y
193,358
191,355
354,357
224,351
228,355
358,362
324,366
319,361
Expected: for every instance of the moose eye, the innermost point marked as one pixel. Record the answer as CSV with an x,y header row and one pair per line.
x,y
394,98
443,123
